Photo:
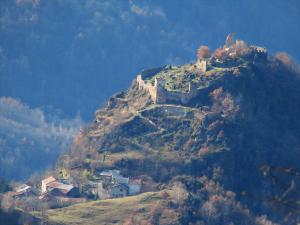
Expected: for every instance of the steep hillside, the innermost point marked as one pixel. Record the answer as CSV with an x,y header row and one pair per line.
x,y
211,203
227,130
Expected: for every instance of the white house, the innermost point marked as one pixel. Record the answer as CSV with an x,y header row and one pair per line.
x,y
23,188
120,186
134,186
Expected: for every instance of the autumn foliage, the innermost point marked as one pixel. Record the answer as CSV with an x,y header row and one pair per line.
x,y
219,53
203,52
284,58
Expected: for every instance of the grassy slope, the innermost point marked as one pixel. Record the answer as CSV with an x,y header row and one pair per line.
x,y
110,211
178,78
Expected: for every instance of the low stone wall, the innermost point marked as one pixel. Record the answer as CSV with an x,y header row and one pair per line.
x,y
164,96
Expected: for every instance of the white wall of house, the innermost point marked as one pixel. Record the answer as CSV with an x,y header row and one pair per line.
x,y
45,182
44,187
134,189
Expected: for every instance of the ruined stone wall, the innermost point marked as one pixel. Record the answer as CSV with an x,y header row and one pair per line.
x,y
164,96
149,87
160,95
202,65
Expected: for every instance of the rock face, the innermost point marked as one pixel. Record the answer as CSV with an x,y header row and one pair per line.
x,y
240,132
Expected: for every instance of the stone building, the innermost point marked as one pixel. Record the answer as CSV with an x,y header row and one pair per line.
x,y
119,191
113,176
51,186
117,185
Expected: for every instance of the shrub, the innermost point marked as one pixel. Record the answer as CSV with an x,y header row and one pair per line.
x,y
284,58
219,54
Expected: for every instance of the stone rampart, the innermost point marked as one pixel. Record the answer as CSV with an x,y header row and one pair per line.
x,y
160,95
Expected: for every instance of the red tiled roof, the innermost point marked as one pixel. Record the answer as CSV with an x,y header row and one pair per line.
x,y
13,193
53,184
65,188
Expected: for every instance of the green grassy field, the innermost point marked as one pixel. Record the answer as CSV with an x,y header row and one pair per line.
x,y
110,211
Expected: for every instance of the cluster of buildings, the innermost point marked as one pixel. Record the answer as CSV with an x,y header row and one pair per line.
x,y
120,186
111,184
49,187
108,184
52,187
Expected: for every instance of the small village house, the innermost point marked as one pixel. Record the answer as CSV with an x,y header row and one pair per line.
x,y
96,190
24,188
21,191
119,191
51,186
47,181
114,176
118,185
59,189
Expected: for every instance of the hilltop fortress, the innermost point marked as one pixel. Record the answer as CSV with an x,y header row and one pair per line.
x,y
206,71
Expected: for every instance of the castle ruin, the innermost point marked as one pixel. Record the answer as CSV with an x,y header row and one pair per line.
x,y
160,95
202,65
231,50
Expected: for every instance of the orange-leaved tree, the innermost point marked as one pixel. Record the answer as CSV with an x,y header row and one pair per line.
x,y
203,52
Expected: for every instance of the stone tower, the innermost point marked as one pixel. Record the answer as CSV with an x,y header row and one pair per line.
x,y
202,65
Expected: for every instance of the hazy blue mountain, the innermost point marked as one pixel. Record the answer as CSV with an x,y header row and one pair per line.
x,y
30,140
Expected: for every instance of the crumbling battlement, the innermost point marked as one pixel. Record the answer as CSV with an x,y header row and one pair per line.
x,y
152,89
202,65
160,95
